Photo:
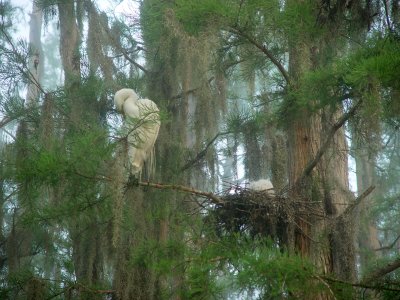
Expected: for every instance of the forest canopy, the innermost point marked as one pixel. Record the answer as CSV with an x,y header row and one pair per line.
x,y
276,162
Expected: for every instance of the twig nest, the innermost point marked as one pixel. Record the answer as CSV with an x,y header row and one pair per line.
x,y
256,211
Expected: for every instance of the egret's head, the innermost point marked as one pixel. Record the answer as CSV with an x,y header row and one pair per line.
x,y
121,96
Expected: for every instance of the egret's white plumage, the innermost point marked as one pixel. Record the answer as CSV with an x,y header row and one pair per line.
x,y
142,122
262,185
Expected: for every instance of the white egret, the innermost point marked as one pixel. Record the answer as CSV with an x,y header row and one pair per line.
x,y
142,123
262,185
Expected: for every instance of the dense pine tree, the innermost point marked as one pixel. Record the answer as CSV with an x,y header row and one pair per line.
x,y
300,92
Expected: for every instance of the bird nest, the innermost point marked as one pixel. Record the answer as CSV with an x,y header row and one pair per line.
x,y
252,212
256,213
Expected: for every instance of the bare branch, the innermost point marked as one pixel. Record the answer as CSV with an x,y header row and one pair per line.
x,y
203,152
214,199
360,284
5,121
390,246
180,95
358,200
312,164
380,272
125,54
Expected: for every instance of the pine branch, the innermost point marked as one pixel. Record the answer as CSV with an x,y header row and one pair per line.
x,y
263,49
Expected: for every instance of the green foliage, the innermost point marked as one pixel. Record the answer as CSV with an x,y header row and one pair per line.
x,y
363,74
13,107
7,16
196,16
13,69
378,59
63,200
298,20
86,152
245,120
153,20
250,266
42,167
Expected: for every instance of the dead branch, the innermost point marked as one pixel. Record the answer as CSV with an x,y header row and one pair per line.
x,y
390,246
124,53
184,93
214,199
203,152
358,200
5,121
312,164
359,284
382,271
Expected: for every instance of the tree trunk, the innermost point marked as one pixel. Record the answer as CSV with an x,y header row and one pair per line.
x,y
36,58
367,232
326,239
86,240
19,242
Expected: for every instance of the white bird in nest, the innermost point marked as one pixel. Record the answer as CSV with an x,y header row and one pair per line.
x,y
142,122
262,185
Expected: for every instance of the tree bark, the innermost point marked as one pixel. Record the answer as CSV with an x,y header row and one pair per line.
x,y
36,57
328,245
367,233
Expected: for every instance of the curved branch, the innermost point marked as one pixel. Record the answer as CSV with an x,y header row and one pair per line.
x,y
264,50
